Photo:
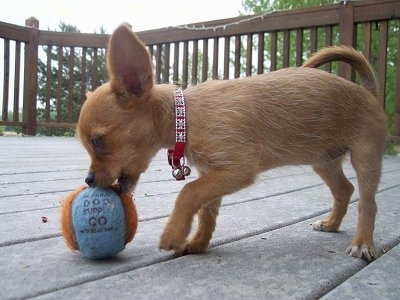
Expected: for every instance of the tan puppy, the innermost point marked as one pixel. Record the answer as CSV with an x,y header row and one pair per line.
x,y
288,117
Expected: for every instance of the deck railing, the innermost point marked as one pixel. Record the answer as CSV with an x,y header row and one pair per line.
x,y
46,74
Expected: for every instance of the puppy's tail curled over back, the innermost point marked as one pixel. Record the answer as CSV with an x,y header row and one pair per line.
x,y
352,57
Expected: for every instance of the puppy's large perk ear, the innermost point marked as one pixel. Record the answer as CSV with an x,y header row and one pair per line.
x,y
128,63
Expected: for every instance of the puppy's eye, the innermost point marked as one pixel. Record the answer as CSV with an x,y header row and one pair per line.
x,y
98,144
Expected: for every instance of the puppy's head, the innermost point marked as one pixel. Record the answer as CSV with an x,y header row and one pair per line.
x,y
115,124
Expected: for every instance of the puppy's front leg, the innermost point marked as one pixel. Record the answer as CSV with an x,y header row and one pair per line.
x,y
207,221
195,195
180,220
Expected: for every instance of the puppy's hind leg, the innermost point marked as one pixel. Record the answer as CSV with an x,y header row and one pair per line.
x,y
207,221
367,161
341,188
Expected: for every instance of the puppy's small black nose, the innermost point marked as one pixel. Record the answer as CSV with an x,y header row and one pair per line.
x,y
90,179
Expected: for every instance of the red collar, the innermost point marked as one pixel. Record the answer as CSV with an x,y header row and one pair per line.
x,y
176,157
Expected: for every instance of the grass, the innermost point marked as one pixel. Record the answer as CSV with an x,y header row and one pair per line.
x,y
392,148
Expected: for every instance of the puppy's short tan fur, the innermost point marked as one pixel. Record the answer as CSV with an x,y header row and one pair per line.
x,y
235,130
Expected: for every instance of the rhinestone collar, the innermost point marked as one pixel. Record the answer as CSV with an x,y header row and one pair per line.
x,y
176,157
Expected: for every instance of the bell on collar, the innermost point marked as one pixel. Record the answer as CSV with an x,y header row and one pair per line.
x,y
186,171
178,173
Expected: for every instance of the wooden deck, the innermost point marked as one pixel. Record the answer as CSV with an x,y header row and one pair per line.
x,y
263,247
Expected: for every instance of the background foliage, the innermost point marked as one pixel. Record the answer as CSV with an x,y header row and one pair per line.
x,y
49,108
262,6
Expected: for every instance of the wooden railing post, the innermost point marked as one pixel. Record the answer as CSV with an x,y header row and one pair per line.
x,y
397,97
30,79
346,33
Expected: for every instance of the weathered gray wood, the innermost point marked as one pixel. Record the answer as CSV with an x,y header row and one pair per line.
x,y
346,16
263,246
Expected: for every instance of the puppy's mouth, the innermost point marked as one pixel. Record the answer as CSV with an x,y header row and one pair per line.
x,y
123,183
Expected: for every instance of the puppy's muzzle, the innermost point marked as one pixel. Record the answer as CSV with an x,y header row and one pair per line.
x,y
90,179
122,181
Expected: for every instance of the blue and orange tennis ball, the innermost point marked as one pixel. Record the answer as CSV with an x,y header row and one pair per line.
x,y
98,222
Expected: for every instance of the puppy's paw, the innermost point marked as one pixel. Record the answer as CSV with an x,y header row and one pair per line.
x,y
170,242
318,225
173,237
362,251
192,247
322,225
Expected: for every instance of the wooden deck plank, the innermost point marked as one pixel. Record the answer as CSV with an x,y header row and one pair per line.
x,y
34,260
288,261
